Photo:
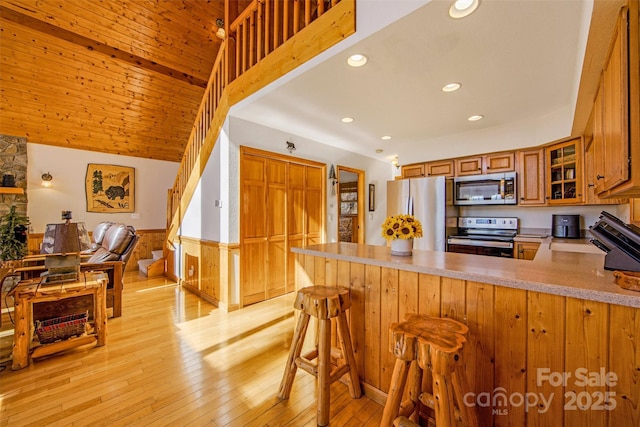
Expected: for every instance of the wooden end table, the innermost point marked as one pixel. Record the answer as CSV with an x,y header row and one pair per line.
x,y
28,292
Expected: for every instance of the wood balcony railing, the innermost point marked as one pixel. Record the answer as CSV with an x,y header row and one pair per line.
x,y
252,40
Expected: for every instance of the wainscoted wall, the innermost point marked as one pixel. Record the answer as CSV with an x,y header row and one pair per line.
x,y
150,240
210,270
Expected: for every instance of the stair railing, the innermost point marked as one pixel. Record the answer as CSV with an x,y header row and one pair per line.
x,y
259,30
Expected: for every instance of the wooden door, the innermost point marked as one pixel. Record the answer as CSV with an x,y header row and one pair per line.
x,y
314,205
531,182
469,166
253,228
440,168
276,228
615,101
499,162
413,171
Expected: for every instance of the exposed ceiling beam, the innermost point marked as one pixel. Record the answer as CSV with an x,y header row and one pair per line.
x,y
93,45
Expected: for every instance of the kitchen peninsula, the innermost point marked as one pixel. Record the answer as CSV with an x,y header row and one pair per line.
x,y
550,339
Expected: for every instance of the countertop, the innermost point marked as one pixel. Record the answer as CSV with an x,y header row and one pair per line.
x,y
556,272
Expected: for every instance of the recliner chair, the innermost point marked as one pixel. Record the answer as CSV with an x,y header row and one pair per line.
x,y
116,244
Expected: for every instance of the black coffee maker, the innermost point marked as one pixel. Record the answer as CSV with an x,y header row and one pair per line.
x,y
566,226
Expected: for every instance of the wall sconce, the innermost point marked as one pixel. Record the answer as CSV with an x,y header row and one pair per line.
x,y
395,163
220,33
46,180
333,179
291,147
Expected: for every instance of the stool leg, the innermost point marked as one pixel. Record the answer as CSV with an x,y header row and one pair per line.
x,y
396,388
294,352
324,371
461,386
443,394
347,353
415,390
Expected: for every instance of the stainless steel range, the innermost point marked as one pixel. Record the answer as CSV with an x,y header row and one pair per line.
x,y
484,236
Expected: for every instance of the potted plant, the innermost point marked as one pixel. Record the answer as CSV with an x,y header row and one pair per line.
x,y
400,230
13,235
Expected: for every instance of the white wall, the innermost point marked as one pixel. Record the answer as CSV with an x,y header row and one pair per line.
x,y
224,166
523,134
69,166
376,172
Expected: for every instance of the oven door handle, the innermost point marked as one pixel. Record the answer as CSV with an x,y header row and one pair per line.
x,y
485,243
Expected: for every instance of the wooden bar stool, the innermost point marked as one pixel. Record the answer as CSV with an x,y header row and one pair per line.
x,y
435,345
323,303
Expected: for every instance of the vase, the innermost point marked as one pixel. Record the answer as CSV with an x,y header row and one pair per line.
x,y
402,247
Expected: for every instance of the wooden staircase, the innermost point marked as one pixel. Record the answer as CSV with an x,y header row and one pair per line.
x,y
265,41
153,267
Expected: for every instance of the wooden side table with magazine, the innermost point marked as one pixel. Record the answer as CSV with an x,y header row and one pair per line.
x,y
61,333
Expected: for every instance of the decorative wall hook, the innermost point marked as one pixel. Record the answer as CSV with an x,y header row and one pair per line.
x,y
291,147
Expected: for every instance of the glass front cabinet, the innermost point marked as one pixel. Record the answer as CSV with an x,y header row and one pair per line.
x,y
564,172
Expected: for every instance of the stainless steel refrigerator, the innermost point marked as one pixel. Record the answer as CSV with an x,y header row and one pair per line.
x,y
430,200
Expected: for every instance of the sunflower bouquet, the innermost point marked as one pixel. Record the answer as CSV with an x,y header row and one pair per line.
x,y
401,227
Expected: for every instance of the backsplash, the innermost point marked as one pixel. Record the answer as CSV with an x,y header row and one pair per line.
x,y
534,217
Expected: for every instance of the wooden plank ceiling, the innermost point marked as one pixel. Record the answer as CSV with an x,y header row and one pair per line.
x,y
115,76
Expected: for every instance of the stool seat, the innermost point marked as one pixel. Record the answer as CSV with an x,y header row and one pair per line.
x,y
432,345
327,364
322,302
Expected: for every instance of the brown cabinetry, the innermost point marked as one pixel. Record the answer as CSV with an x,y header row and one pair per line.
x,y
611,136
616,113
469,166
489,163
413,171
634,205
499,162
591,158
531,184
525,250
564,172
439,168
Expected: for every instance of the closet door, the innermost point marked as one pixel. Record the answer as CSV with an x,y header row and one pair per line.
x,y
253,228
314,202
295,216
276,228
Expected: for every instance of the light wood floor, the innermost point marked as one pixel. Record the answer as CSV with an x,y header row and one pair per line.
x,y
173,359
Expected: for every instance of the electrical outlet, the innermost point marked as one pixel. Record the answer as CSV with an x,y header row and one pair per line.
x,y
135,216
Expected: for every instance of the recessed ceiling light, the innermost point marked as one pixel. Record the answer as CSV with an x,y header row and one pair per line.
x,y
450,87
475,118
386,137
357,60
347,120
462,8
379,150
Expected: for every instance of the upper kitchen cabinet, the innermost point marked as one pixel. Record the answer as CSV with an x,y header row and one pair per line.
x,y
413,171
634,205
531,184
564,172
489,163
616,113
439,168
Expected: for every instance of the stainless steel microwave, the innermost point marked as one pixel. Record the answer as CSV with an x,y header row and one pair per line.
x,y
491,189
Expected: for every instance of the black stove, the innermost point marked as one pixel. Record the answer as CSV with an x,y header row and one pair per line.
x,y
484,236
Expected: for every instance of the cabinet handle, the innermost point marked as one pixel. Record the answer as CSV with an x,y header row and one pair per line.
x,y
599,177
591,185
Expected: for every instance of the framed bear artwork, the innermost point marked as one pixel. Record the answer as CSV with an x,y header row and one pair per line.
x,y
110,188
